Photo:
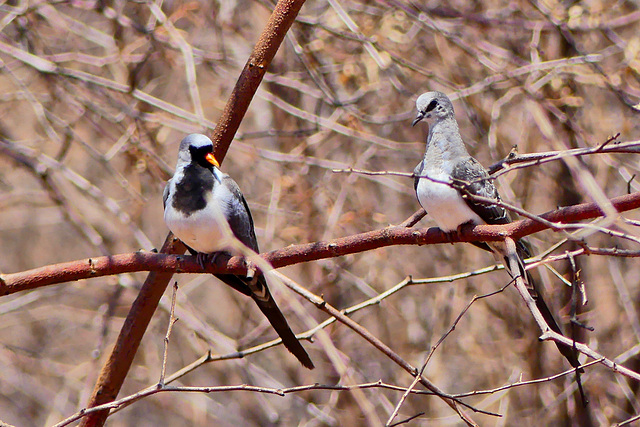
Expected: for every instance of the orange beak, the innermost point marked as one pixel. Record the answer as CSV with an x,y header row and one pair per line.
x,y
212,159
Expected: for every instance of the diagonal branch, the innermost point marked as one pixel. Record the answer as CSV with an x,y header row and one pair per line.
x,y
548,334
115,369
321,304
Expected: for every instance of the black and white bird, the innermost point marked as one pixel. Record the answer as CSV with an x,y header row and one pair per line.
x,y
444,177
202,206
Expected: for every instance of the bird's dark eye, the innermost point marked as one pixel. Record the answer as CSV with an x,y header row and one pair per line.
x,y
432,105
198,154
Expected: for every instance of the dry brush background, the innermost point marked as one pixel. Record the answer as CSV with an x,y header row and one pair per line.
x,y
96,98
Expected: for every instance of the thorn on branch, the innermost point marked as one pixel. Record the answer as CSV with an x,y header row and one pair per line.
x,y
411,418
608,141
545,336
578,323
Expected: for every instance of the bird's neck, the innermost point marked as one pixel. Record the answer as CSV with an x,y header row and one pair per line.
x,y
444,141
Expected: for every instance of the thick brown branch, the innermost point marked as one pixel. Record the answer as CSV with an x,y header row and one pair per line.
x,y
295,254
254,70
115,369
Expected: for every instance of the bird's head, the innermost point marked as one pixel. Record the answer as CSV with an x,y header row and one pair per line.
x,y
197,148
434,106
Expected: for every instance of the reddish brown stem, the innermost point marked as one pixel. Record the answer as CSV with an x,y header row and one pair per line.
x,y
115,370
399,235
117,366
254,70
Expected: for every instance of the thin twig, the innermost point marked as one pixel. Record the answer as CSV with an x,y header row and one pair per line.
x,y
172,320
433,349
320,303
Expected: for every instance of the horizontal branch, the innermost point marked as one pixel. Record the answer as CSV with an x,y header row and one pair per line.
x,y
611,146
515,161
295,254
156,388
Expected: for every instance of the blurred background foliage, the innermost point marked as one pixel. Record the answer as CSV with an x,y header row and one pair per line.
x,y
96,96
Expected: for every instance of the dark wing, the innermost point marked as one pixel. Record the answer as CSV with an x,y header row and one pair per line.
x,y
470,178
165,194
416,175
241,224
240,220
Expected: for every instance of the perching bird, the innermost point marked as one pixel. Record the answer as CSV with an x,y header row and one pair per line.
x,y
446,172
200,205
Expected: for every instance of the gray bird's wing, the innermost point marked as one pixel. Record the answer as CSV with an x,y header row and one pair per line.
x,y
417,172
165,194
239,217
241,224
470,178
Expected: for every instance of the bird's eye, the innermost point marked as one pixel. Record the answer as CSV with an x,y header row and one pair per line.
x,y
199,153
432,105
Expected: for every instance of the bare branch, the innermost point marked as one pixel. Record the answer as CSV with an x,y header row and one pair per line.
x,y
172,320
116,368
320,303
394,235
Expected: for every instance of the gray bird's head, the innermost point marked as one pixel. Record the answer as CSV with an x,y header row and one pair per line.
x,y
433,105
197,148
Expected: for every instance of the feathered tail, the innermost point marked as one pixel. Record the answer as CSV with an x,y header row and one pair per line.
x,y
257,289
523,252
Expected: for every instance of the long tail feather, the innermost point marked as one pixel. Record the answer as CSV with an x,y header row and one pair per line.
x,y
566,351
257,289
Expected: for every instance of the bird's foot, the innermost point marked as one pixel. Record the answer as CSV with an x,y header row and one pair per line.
x,y
206,259
458,231
451,236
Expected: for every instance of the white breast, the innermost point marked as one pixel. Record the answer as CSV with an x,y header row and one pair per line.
x,y
204,230
444,203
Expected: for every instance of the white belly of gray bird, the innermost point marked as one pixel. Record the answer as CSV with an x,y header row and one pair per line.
x,y
203,230
444,203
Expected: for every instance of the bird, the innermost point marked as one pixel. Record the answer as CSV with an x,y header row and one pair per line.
x,y
201,205
446,176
